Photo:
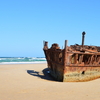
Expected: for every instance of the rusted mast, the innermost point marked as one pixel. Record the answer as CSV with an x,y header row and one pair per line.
x,y
83,36
65,53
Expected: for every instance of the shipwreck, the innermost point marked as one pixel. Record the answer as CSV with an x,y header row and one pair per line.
x,y
74,63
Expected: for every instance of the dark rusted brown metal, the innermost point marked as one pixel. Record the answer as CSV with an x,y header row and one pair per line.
x,y
65,55
83,35
73,63
45,45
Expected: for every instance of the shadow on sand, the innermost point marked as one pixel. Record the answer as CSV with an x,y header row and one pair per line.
x,y
44,74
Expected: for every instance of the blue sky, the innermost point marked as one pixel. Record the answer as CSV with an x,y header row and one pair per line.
x,y
24,24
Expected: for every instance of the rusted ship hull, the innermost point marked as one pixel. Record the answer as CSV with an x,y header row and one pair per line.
x,y
76,63
80,74
72,75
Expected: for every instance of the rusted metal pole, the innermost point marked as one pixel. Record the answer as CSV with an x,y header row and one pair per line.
x,y
65,58
65,53
66,41
83,36
45,45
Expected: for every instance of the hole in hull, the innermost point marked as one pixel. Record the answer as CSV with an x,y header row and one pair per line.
x,y
83,72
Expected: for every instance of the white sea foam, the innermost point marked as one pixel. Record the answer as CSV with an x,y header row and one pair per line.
x,y
37,62
21,60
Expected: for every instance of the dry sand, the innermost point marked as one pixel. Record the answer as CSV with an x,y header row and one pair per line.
x,y
31,82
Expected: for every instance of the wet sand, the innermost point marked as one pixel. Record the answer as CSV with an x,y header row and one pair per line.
x,y
32,82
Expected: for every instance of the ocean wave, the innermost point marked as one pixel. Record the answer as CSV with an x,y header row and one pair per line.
x,y
21,60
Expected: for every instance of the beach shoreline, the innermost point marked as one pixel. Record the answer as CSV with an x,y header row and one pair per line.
x,y
32,82
18,63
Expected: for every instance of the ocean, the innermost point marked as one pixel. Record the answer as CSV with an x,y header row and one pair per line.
x,y
22,60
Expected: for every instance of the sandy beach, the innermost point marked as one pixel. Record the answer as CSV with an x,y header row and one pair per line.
x,y
32,82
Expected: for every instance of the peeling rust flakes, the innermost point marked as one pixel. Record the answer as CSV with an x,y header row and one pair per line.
x,y
73,63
